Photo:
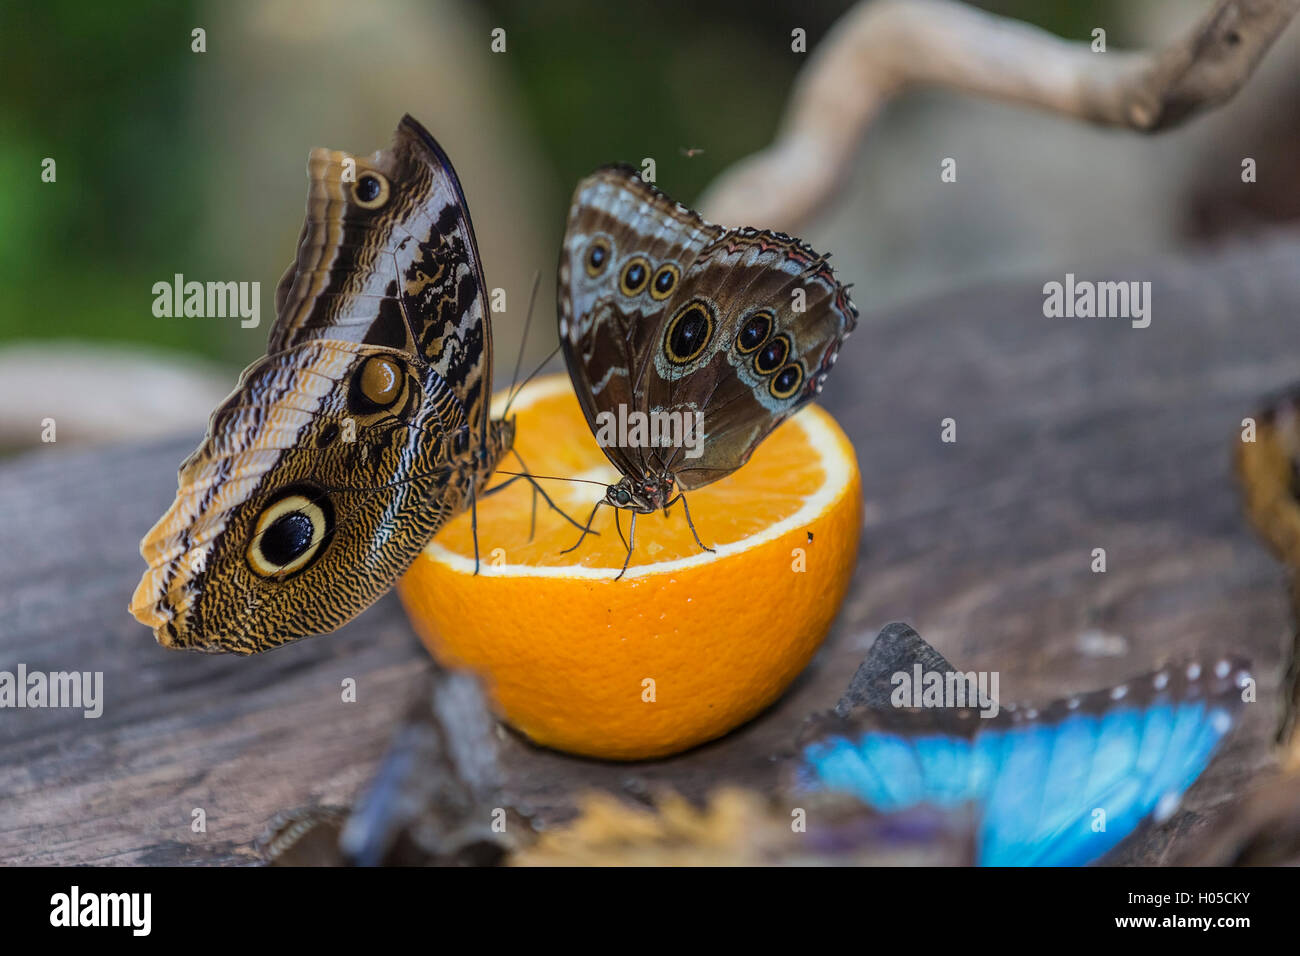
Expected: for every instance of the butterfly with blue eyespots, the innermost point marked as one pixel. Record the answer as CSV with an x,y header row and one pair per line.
x,y
1060,786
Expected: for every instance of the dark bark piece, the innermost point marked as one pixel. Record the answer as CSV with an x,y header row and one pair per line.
x,y
896,648
438,788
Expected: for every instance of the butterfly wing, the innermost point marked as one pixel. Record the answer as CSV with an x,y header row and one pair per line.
x,y
615,223
1038,779
398,267
1094,779
338,454
1268,472
653,304
771,319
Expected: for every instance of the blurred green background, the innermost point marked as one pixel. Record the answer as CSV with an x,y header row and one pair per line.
x,y
147,134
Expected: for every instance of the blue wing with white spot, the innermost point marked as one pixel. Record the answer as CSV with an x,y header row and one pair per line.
x,y
1056,788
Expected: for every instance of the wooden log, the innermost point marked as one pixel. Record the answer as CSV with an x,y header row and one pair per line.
x,y
1072,434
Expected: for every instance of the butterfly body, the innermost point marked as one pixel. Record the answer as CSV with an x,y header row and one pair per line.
x,y
644,495
718,334
363,429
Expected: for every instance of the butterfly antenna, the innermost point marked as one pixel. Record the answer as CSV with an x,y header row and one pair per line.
x,y
523,342
587,530
531,375
524,474
532,479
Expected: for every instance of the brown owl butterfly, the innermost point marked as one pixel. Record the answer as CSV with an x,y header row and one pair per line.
x,y
716,335
362,431
1268,469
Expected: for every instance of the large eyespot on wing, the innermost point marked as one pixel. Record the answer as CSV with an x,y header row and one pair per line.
x,y
291,532
379,384
754,330
371,190
280,400
689,332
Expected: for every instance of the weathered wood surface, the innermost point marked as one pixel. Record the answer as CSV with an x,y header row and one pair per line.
x,y
1073,434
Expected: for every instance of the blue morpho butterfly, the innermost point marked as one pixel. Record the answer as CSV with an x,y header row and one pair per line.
x,y
1036,779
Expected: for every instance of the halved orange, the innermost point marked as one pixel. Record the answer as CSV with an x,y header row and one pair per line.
x,y
688,644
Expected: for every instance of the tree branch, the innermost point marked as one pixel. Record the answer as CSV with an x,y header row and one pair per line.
x,y
881,48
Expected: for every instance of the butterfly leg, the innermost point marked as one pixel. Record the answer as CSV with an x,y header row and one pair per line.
x,y
630,542
532,515
539,490
502,487
587,530
473,520
687,508
489,492
618,526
